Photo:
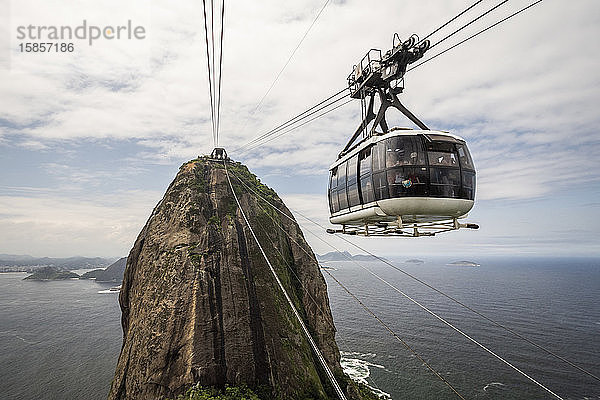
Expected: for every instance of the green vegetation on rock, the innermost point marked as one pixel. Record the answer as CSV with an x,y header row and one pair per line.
x,y
198,392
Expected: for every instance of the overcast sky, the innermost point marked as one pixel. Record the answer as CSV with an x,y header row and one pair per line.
x,y
90,140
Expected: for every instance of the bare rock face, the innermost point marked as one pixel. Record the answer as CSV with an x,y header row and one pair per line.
x,y
199,303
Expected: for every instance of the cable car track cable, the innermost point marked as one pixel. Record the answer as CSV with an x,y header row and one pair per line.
x,y
214,83
220,72
450,21
289,267
290,58
475,34
311,341
269,133
267,140
394,334
293,120
405,295
465,306
377,318
468,23
210,88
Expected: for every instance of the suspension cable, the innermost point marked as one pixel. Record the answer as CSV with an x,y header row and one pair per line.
x,y
295,119
210,88
311,341
290,58
450,21
395,335
297,126
220,72
410,298
476,34
377,318
469,23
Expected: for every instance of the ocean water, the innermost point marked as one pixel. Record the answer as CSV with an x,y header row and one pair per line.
x,y
61,339
555,303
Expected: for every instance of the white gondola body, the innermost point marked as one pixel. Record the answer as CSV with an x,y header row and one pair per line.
x,y
422,177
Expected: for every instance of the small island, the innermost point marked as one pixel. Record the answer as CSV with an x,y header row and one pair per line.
x,y
414,261
464,263
51,274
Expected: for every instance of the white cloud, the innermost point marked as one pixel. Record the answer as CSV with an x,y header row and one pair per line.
x,y
55,225
524,95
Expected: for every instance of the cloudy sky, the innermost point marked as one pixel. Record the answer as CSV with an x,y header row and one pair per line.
x,y
90,140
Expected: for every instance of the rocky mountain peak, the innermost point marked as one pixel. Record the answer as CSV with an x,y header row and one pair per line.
x,y
200,305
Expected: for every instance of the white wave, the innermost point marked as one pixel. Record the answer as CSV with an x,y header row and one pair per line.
x,y
358,370
17,336
108,291
494,385
357,354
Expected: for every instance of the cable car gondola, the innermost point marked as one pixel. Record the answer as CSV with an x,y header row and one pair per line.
x,y
398,178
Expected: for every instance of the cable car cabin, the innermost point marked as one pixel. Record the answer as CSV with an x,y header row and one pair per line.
x,y
414,178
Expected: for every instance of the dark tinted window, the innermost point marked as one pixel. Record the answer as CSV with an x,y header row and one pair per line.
x,y
341,173
378,155
352,170
442,153
445,182
333,179
353,199
366,189
404,150
465,157
365,162
380,186
468,189
342,198
334,205
407,181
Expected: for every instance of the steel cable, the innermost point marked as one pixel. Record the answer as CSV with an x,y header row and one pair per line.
x,y
450,21
476,34
293,120
377,318
311,341
414,301
210,88
469,23
267,140
218,124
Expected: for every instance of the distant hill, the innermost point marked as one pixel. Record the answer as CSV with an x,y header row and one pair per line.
x,y
25,263
50,273
464,263
113,273
344,256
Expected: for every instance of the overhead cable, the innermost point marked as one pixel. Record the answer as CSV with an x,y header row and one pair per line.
x,y
450,21
291,120
210,80
218,124
311,341
476,34
468,23
290,58
298,126
367,309
441,319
